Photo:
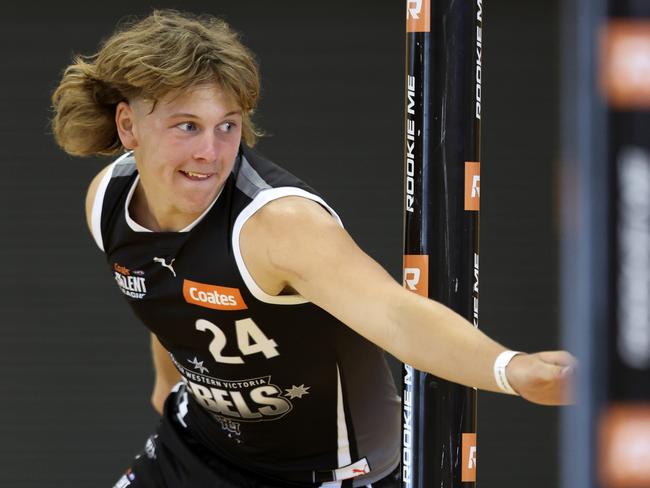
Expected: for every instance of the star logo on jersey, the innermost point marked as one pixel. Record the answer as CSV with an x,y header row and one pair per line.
x,y
198,365
297,391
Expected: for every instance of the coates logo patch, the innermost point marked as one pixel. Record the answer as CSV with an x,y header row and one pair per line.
x,y
625,446
418,15
625,64
472,186
416,274
212,296
130,282
469,458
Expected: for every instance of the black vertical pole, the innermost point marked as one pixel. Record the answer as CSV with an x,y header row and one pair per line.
x,y
606,437
441,224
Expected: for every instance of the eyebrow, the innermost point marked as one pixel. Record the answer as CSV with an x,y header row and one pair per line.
x,y
194,116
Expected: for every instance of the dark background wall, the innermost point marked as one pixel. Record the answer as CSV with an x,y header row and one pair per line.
x,y
75,372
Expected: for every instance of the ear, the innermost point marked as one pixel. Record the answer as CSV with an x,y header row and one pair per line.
x,y
125,123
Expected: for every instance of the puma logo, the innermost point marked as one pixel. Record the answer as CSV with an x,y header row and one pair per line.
x,y
165,265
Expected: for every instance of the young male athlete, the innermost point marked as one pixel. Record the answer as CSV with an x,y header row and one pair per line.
x,y
256,297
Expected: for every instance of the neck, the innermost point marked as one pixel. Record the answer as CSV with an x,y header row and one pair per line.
x,y
157,218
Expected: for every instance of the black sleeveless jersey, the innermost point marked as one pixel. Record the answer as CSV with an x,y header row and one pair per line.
x,y
275,383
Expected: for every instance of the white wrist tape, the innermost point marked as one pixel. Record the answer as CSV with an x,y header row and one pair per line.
x,y
500,371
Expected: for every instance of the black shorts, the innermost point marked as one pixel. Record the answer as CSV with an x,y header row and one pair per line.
x,y
171,460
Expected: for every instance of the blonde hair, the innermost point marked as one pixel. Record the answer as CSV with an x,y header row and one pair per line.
x,y
166,51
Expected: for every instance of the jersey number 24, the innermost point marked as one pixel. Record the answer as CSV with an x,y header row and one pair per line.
x,y
250,340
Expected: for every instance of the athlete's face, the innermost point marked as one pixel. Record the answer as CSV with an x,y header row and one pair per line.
x,y
184,148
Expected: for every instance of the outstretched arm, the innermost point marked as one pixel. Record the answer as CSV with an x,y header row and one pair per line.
x,y
293,242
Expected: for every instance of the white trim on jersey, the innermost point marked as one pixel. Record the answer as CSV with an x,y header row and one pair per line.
x,y
343,441
261,199
98,203
132,223
139,228
344,457
331,484
346,469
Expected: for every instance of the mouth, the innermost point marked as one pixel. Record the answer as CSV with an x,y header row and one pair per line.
x,y
196,176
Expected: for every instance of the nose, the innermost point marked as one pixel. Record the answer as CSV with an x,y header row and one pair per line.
x,y
206,148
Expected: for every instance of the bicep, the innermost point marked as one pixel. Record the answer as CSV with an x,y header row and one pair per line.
x,y
301,245
338,276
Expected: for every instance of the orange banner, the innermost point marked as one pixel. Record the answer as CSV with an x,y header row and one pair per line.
x,y
625,64
469,458
472,186
418,15
416,274
624,451
213,296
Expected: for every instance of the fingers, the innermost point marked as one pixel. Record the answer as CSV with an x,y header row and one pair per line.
x,y
546,378
560,358
566,364
560,380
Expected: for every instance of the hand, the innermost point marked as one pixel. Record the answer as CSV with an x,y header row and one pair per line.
x,y
544,377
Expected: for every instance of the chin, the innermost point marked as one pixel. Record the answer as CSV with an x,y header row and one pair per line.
x,y
195,206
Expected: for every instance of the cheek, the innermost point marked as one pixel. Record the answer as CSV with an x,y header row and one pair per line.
x,y
230,150
169,157
231,158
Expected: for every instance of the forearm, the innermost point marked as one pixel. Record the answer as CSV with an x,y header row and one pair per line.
x,y
431,337
312,254
158,396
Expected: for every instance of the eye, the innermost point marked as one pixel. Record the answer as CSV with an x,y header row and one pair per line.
x,y
227,127
187,126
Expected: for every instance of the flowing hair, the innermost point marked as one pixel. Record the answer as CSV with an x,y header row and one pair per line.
x,y
165,51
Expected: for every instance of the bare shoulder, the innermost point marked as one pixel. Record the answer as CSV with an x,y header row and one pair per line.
x,y
92,191
289,223
289,214
295,243
282,236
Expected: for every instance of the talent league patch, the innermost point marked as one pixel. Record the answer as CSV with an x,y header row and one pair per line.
x,y
131,282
